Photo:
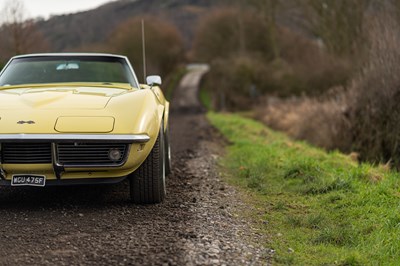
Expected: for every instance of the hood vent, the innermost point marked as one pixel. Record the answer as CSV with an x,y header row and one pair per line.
x,y
97,124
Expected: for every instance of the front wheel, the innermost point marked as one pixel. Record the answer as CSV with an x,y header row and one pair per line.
x,y
147,183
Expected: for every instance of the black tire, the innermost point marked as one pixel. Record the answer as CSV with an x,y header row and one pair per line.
x,y
167,149
147,183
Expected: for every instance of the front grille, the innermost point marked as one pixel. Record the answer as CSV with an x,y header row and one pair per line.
x,y
89,154
26,153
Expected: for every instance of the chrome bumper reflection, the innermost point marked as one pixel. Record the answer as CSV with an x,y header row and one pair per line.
x,y
110,138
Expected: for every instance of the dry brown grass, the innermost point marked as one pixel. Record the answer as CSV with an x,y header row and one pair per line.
x,y
322,122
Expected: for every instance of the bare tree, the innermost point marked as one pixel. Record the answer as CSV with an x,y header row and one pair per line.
x,y
14,15
230,32
265,9
20,35
164,44
338,23
268,10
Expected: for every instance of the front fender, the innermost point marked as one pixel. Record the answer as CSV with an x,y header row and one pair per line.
x,y
137,112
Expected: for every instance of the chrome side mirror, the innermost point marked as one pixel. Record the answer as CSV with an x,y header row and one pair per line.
x,y
153,80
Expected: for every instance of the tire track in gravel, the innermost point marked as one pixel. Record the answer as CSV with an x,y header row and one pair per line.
x,y
96,225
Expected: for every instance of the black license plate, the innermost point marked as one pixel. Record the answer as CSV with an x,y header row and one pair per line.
x,y
28,180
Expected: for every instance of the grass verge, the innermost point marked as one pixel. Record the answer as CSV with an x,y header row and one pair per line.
x,y
317,208
205,98
173,81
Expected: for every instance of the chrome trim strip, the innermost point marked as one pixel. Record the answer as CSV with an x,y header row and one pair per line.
x,y
68,54
57,168
112,138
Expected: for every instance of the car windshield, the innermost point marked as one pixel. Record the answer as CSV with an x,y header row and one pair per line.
x,y
65,69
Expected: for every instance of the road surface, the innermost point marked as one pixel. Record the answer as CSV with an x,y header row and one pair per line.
x,y
97,225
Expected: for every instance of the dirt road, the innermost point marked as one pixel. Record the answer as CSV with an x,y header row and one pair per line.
x,y
96,225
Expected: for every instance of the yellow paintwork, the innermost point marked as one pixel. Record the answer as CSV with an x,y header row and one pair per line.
x,y
83,108
83,124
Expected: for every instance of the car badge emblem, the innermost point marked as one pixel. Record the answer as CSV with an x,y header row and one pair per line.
x,y
30,122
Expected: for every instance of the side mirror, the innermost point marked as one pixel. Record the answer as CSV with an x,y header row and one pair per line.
x,y
153,80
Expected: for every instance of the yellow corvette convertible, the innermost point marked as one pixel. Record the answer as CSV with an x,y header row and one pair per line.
x,y
70,119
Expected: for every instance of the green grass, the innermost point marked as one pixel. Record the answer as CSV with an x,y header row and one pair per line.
x,y
173,82
205,98
317,208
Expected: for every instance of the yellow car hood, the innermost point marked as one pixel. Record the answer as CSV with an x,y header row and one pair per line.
x,y
77,109
57,98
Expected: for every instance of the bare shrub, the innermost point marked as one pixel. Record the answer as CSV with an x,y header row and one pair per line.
x,y
234,81
164,44
241,49
338,23
365,118
231,31
376,94
312,70
322,122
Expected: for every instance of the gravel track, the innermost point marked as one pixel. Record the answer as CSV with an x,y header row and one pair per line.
x,y
96,225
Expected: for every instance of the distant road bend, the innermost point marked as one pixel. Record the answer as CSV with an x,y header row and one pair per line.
x,y
96,225
188,98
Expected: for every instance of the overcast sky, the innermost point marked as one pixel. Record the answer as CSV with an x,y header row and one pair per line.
x,y
45,8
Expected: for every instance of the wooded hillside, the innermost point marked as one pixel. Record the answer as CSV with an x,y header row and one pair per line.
x,y
74,31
